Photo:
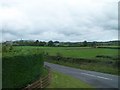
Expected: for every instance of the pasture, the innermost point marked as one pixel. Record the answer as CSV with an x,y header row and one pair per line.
x,y
74,52
97,59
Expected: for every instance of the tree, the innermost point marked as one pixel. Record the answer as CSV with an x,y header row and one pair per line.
x,y
56,42
85,43
42,43
50,43
37,43
94,44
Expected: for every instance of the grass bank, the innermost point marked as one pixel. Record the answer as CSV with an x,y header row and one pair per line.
x,y
104,66
60,80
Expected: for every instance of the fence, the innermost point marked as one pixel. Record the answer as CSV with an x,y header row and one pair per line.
x,y
42,82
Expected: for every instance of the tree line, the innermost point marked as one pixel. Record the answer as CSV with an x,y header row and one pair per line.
x,y
63,44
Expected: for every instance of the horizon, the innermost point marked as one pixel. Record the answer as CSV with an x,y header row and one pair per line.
x,y
61,41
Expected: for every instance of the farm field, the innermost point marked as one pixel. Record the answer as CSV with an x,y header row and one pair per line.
x,y
75,52
71,56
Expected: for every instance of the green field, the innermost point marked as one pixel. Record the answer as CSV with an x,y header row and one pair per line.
x,y
77,52
89,60
24,64
60,80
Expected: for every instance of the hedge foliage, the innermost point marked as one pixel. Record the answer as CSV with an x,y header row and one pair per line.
x,y
20,67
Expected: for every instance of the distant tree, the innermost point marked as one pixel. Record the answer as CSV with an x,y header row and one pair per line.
x,y
93,44
21,43
42,43
51,43
85,43
37,43
56,41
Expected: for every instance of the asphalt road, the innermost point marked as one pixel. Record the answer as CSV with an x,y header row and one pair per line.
x,y
96,79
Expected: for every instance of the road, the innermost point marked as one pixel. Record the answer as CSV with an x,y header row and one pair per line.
x,y
96,79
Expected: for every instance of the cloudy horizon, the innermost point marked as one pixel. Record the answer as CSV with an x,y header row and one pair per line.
x,y
62,20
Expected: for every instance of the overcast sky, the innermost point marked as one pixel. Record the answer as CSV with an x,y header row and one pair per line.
x,y
63,20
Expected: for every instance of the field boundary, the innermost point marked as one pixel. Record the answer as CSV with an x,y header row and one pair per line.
x,y
43,82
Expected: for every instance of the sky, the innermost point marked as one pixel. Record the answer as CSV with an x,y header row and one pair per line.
x,y
62,20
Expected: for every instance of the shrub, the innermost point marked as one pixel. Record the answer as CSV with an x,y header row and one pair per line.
x,y
21,68
7,48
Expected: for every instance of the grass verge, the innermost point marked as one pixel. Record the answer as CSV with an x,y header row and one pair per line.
x,y
90,66
60,80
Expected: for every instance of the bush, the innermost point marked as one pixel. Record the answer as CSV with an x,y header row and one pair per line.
x,y
7,48
21,68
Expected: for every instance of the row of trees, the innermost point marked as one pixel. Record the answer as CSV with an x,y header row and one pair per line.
x,y
32,43
57,43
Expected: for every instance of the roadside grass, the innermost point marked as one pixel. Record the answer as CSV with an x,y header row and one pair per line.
x,y
90,66
60,80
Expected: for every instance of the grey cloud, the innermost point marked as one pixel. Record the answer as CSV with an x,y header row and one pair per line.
x,y
65,20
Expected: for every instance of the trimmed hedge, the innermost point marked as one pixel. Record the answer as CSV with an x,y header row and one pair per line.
x,y
109,47
79,60
19,68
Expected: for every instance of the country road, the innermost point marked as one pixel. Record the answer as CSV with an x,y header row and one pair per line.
x,y
96,79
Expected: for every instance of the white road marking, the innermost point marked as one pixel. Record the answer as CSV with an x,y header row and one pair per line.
x,y
96,76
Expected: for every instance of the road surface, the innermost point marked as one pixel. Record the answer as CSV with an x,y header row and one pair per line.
x,y
96,79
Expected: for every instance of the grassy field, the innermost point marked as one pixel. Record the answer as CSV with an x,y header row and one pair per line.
x,y
21,67
77,52
89,62
24,64
60,80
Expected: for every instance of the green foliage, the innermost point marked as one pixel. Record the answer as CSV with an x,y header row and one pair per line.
x,y
99,67
37,42
85,43
58,54
20,67
7,48
50,43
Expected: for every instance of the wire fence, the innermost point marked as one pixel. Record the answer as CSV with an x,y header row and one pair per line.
x,y
43,82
